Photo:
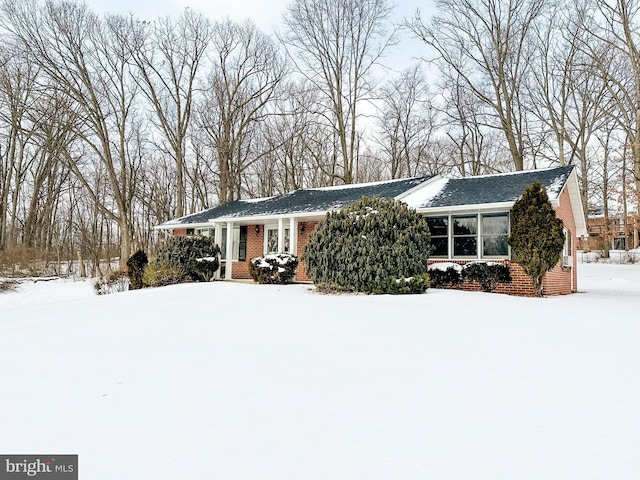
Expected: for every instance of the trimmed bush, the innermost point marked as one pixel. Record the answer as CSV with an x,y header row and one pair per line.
x,y
197,257
367,245
488,274
536,237
276,269
445,275
135,269
160,274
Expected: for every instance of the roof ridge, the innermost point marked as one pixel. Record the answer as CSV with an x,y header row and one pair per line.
x,y
517,172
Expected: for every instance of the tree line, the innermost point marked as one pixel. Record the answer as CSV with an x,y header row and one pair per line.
x,y
112,124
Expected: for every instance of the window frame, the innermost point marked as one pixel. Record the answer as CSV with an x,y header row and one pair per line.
x,y
447,219
479,235
454,236
483,235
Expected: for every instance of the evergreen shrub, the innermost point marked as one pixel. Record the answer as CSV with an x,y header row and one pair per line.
x,y
135,269
488,274
197,257
276,269
366,246
536,237
445,275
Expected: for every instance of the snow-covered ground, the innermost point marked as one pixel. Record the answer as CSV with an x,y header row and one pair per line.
x,y
237,381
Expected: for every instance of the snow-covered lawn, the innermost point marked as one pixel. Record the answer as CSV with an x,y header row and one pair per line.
x,y
235,381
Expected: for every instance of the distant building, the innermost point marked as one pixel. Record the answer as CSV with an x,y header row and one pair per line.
x,y
614,231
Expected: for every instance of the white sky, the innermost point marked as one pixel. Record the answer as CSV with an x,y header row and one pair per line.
x,y
265,13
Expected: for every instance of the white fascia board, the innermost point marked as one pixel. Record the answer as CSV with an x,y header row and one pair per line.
x,y
576,204
484,207
173,226
260,219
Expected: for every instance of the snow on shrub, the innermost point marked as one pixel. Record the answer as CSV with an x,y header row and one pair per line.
x,y
195,256
488,274
278,268
445,274
366,246
415,284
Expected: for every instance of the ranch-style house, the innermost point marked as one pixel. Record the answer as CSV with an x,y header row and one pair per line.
x,y
468,218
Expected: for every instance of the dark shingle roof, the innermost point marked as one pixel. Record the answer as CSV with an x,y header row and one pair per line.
x,y
497,188
303,201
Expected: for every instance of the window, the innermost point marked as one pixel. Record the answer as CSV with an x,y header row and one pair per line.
x,y
239,246
242,243
495,232
465,236
272,240
439,228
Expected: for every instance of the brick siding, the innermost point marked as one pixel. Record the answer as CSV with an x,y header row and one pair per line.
x,y
303,239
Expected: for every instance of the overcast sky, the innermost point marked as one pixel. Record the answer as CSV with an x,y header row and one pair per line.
x,y
265,13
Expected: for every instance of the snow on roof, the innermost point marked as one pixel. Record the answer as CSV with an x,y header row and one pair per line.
x,y
498,188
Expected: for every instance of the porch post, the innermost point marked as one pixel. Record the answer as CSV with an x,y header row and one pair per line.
x,y
293,236
280,235
218,236
228,275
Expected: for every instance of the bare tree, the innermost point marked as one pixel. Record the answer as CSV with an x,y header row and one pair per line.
x,y
90,60
613,48
406,121
247,72
335,44
169,55
487,45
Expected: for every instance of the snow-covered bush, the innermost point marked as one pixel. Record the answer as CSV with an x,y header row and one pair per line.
x,y
415,284
135,269
367,246
445,274
278,268
197,257
116,281
488,274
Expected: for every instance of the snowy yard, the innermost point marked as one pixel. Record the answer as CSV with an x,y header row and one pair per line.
x,y
235,381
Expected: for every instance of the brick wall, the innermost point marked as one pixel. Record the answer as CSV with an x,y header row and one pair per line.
x,y
303,239
562,279
255,248
555,282
179,232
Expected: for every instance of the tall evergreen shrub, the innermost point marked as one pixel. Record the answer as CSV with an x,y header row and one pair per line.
x,y
536,237
372,246
135,269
